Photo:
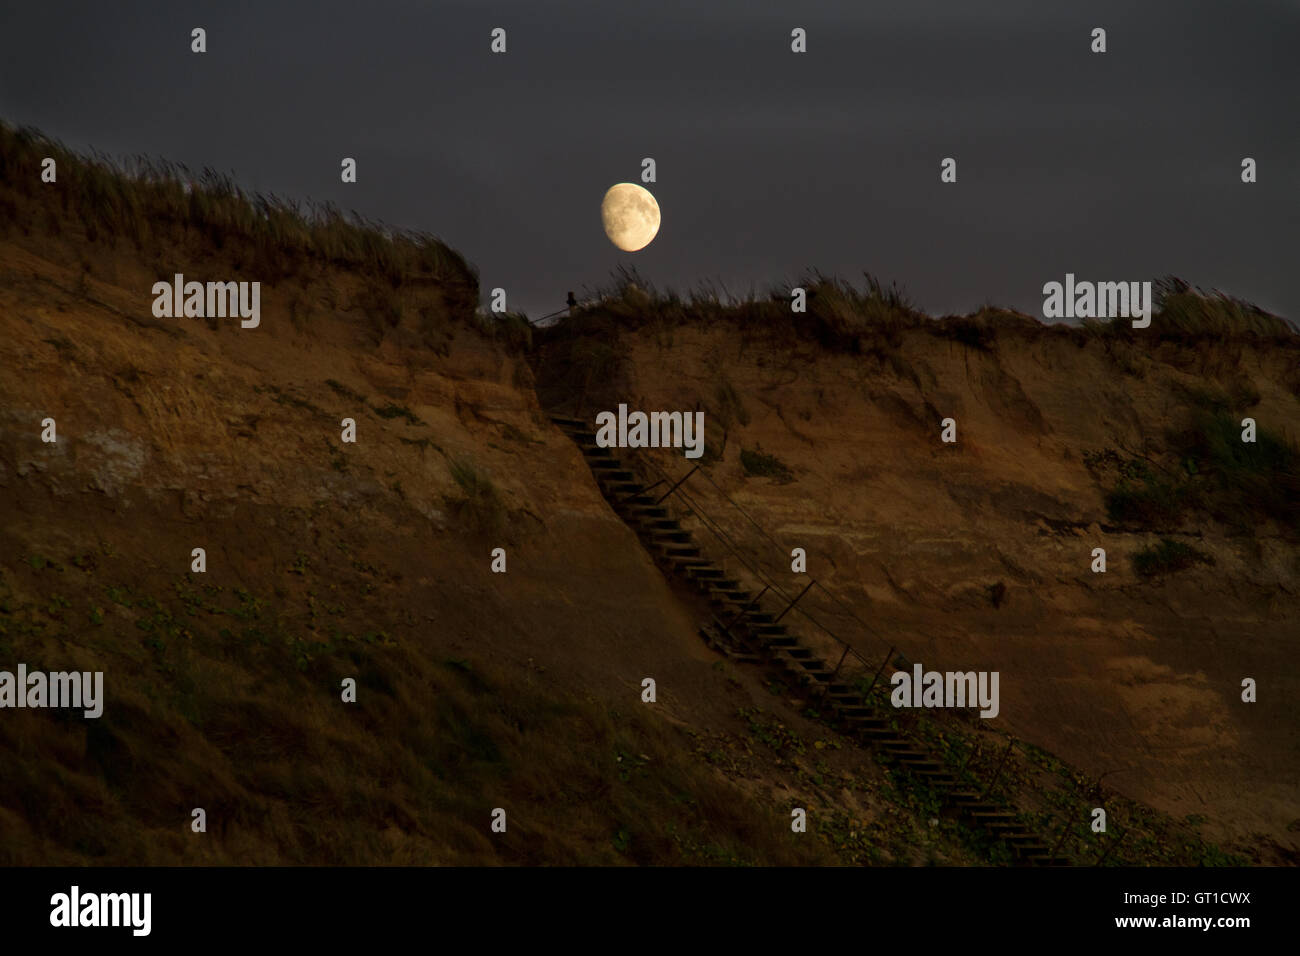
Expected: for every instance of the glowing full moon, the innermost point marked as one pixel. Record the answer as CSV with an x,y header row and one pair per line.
x,y
630,215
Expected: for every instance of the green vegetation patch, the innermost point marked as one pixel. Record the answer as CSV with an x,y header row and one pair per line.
x,y
759,464
392,410
1208,469
481,508
1167,557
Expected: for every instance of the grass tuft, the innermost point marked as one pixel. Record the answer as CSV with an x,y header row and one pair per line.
x,y
481,508
758,464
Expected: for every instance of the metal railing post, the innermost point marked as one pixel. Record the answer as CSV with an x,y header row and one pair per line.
x,y
1064,830
997,773
794,602
837,666
970,755
678,485
641,491
883,665
739,614
1110,845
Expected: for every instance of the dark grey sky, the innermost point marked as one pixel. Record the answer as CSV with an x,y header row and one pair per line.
x,y
1119,166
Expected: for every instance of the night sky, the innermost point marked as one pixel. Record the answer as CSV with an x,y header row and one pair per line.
x,y
1120,166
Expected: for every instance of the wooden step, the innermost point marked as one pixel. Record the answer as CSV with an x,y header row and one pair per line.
x,y
675,550
942,777
865,723
905,748
922,769
670,535
705,572
880,734
648,511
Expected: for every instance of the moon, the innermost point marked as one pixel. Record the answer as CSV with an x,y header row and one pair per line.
x,y
630,216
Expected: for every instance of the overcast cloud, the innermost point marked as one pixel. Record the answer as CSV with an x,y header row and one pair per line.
x,y
1119,166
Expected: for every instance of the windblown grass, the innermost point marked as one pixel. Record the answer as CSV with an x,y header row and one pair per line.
x,y
1183,313
153,203
848,318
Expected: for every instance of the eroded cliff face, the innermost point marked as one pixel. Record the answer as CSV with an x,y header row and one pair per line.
x,y
372,561
978,554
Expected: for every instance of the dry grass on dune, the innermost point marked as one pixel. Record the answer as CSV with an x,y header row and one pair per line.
x,y
154,205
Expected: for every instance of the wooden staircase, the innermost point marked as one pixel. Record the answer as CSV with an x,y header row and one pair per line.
x,y
744,632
